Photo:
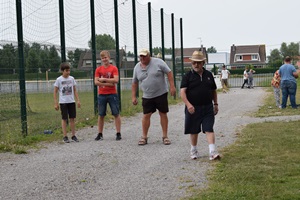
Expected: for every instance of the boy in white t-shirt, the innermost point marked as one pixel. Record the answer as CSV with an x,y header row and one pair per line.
x,y
224,78
66,86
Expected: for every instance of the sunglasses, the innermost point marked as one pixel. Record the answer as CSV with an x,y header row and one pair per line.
x,y
197,63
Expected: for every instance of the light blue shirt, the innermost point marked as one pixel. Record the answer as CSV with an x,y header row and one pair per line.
x,y
286,72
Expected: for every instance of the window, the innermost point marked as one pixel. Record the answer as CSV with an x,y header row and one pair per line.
x,y
254,57
239,57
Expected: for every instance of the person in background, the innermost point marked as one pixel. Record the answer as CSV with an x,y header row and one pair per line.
x,y
65,85
276,87
106,78
150,73
245,77
288,83
198,92
250,78
224,78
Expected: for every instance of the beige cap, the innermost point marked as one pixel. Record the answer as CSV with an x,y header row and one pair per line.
x,y
144,52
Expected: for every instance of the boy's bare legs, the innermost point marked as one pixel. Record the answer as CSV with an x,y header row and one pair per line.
x,y
210,136
117,123
72,126
64,127
100,128
100,124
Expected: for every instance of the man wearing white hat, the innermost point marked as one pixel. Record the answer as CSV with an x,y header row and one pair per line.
x,y
150,73
198,92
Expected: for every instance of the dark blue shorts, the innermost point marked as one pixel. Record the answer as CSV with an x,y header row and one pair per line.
x,y
68,109
203,117
112,100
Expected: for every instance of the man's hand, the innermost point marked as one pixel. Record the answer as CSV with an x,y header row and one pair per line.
x,y
216,109
191,109
134,101
173,91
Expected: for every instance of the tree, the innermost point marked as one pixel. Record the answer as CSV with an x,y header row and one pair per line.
x,y
54,59
276,56
211,50
32,61
8,58
157,50
74,57
71,58
44,56
104,42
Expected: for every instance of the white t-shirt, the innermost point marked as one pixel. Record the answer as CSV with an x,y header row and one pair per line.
x,y
245,75
66,89
225,73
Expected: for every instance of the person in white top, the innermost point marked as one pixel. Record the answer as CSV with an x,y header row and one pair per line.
x,y
245,77
65,85
224,78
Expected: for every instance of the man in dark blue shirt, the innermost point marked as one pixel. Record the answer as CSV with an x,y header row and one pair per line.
x,y
198,92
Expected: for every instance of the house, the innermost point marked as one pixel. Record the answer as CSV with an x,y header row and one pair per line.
x,y
126,64
187,53
241,56
217,60
86,64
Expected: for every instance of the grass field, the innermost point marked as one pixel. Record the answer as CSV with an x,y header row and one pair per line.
x,y
262,164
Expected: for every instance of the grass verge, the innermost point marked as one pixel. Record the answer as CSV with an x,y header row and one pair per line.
x,y
263,164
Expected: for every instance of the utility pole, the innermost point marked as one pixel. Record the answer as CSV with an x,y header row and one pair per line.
x,y
200,42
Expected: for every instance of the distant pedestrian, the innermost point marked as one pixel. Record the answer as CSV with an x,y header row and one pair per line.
x,y
288,83
106,78
250,78
245,77
276,87
198,91
224,78
65,85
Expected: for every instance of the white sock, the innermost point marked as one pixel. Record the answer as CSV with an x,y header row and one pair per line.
x,y
212,147
193,148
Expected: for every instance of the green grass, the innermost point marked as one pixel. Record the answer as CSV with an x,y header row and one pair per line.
x,y
262,164
41,116
269,107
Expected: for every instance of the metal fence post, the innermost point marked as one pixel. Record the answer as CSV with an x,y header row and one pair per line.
x,y
21,67
93,46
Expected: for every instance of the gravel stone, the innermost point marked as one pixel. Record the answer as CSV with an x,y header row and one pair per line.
x,y
113,170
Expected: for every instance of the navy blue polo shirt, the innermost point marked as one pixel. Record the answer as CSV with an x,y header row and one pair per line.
x,y
199,88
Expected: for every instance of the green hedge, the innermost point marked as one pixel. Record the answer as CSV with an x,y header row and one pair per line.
x,y
42,76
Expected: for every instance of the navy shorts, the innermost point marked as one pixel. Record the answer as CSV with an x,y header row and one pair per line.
x,y
160,103
68,109
202,120
112,100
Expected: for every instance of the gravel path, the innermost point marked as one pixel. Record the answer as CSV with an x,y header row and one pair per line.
x,y
111,169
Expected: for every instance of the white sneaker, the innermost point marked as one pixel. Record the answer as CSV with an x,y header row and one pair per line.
x,y
194,154
214,155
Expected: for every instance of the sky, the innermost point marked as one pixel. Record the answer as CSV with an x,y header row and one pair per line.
x,y
222,23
